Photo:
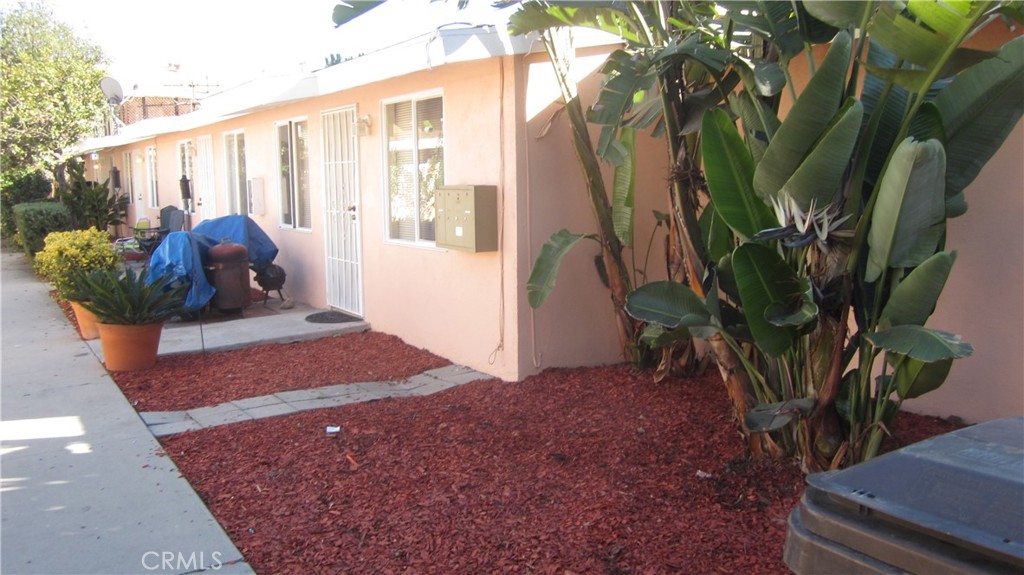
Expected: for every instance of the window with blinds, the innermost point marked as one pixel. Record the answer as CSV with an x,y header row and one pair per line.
x,y
185,155
293,163
128,177
414,132
152,194
234,149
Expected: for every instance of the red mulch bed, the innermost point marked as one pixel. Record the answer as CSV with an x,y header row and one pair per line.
x,y
571,472
591,470
187,381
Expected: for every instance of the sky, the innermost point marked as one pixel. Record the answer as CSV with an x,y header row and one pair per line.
x,y
171,46
200,47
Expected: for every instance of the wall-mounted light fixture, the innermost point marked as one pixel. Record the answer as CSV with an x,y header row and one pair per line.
x,y
363,125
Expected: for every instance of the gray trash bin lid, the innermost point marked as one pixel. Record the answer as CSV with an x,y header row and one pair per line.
x,y
964,487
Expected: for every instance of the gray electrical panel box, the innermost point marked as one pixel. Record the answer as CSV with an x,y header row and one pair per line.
x,y
467,218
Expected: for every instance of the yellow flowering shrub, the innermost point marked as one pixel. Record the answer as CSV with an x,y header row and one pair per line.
x,y
64,252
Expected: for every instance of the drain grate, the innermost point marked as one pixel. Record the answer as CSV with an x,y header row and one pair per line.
x,y
330,317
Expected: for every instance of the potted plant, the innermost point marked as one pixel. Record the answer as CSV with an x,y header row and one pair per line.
x,y
71,252
131,310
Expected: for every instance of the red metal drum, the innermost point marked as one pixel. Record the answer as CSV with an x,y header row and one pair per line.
x,y
228,271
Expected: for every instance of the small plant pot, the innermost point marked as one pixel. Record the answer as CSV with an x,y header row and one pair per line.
x,y
129,347
86,321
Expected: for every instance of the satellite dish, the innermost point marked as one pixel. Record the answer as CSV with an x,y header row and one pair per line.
x,y
112,90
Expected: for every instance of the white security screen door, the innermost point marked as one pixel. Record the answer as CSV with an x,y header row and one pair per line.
x,y
341,187
203,186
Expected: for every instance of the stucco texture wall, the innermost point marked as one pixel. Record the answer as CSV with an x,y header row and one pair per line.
x,y
450,302
576,325
984,296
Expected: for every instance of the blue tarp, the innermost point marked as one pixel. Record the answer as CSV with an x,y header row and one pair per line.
x,y
182,254
242,230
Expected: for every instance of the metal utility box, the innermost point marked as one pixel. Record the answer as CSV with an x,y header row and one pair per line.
x,y
950,504
467,218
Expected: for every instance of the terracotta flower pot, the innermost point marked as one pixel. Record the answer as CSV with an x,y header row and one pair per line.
x,y
129,347
86,321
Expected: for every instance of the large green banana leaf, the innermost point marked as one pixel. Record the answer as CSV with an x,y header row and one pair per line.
x,y
625,77
669,304
785,24
545,268
839,14
914,299
922,356
622,193
887,100
920,343
816,182
928,37
764,279
904,36
605,16
715,233
915,378
763,78
810,117
759,122
631,77
979,110
945,18
910,213
729,170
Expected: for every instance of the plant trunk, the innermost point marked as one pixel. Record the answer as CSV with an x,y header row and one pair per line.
x,y
741,396
686,179
825,448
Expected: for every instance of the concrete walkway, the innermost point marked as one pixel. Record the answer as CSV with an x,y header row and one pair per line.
x,y
163,423
84,485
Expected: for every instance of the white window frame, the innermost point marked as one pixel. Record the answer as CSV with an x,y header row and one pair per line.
x,y
186,159
237,190
386,176
127,177
152,192
296,220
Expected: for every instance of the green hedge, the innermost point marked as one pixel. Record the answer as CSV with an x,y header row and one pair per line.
x,y
19,188
35,220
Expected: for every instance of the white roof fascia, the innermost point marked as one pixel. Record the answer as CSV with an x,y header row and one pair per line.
x,y
427,51
443,46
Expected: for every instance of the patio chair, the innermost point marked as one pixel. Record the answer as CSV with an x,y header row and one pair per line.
x,y
172,219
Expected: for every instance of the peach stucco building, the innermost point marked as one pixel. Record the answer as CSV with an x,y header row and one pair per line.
x,y
309,158
325,164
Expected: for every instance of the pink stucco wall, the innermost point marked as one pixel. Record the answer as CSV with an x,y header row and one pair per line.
x,y
468,307
984,296
575,326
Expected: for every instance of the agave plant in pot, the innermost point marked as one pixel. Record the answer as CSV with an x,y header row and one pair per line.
x,y
131,310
